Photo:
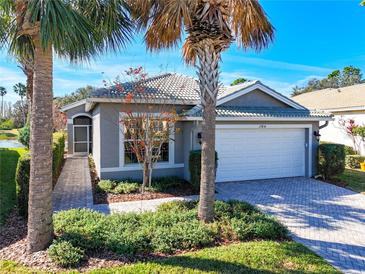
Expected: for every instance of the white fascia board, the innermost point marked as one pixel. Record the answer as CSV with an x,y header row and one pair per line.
x,y
261,119
344,109
92,101
73,105
263,88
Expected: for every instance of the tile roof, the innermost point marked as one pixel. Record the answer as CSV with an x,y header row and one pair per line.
x,y
260,112
169,86
332,98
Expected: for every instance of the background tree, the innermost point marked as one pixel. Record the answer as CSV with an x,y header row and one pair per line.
x,y
239,81
349,127
21,90
211,26
33,28
336,79
20,110
79,94
2,94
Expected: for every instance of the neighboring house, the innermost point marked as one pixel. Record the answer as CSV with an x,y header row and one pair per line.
x,y
347,103
260,133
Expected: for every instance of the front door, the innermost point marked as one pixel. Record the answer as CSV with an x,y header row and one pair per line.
x,y
82,139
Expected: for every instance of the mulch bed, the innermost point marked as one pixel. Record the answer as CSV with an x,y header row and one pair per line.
x,y
13,245
106,198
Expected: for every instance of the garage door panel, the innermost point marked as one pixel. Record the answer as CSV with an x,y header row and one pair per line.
x,y
246,154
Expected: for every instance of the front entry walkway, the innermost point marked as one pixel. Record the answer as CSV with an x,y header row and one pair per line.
x,y
327,219
73,188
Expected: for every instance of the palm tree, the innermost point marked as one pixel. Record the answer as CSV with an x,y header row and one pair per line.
x,y
2,94
211,26
76,30
21,90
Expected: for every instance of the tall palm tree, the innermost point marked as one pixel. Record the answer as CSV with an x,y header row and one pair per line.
x,y
21,90
2,94
73,29
211,26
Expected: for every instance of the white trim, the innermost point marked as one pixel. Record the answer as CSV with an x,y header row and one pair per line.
x,y
73,105
171,161
92,101
360,108
261,119
263,88
138,167
268,126
82,114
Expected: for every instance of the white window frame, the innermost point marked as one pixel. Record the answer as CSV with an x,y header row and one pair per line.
x,y
136,166
88,142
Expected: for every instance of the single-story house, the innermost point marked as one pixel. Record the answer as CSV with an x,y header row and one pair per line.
x,y
346,103
260,133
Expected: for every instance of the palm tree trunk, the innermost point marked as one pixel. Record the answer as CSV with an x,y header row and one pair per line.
x,y
209,85
40,228
29,83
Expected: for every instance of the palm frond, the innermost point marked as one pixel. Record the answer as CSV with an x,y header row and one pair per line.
x,y
250,24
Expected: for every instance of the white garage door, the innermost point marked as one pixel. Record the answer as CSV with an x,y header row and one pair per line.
x,y
247,154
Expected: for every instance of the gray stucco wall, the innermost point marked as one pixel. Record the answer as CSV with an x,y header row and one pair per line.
x,y
69,114
256,98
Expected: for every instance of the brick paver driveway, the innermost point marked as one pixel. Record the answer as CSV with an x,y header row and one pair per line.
x,y
329,220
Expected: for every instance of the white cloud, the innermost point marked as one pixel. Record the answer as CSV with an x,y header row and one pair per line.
x,y
267,63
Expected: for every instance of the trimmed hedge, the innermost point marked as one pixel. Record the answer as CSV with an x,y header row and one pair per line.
x,y
23,172
353,161
331,160
195,167
22,181
174,227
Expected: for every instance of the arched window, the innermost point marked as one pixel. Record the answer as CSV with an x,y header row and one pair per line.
x,y
82,134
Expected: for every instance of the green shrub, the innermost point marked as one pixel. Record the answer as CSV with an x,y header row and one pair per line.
x,y
65,254
182,236
174,226
195,167
353,161
331,160
7,124
81,227
360,131
166,183
126,188
22,181
106,185
349,150
24,135
58,153
23,173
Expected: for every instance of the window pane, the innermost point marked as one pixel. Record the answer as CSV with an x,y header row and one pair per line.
x,y
82,120
129,156
81,147
80,134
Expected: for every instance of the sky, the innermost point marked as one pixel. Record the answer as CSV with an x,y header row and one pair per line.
x,y
312,38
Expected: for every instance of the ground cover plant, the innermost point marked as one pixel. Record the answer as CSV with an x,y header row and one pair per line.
x,y
247,257
174,227
353,179
109,191
8,163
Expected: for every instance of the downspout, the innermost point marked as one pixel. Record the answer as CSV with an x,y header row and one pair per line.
x,y
324,125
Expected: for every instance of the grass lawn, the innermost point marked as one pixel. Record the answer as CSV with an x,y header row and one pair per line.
x,y
354,178
8,163
9,134
247,257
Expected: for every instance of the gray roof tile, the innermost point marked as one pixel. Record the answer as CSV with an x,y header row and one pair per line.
x,y
264,112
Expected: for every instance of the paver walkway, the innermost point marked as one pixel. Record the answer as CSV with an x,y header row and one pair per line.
x,y
329,220
73,188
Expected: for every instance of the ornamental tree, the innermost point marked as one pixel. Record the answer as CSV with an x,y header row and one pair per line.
x,y
148,125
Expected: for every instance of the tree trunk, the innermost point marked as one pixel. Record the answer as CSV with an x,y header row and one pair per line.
x,y
146,175
40,228
209,84
29,74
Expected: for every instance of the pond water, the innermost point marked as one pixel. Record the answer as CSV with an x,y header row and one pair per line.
x,y
10,144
